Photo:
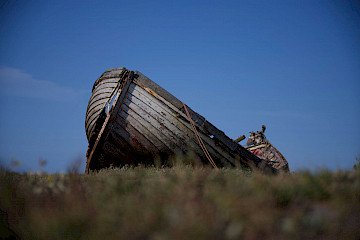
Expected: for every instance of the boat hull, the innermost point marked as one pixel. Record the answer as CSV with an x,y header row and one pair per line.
x,y
102,90
146,124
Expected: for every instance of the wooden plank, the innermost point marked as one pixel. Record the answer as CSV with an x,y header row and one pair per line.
x,y
95,112
154,115
252,160
164,114
89,128
100,93
95,108
139,145
100,96
137,129
160,122
151,125
148,128
107,126
110,73
107,83
113,72
126,128
116,151
199,120
255,147
228,142
105,93
149,84
92,122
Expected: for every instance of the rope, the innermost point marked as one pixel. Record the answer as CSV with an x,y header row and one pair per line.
x,y
112,96
202,145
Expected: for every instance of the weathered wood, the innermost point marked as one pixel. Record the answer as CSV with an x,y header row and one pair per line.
x,y
108,123
147,132
166,113
110,73
161,125
133,134
100,94
256,147
147,122
239,139
199,120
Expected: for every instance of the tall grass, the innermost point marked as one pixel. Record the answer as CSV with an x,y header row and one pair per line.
x,y
180,203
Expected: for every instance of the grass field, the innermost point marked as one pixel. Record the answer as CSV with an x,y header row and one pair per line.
x,y
180,203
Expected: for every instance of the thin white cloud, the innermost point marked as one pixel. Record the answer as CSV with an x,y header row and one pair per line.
x,y
15,82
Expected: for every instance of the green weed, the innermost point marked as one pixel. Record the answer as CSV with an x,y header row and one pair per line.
x,y
181,202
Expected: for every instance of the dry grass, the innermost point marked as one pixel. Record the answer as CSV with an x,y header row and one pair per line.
x,y
181,203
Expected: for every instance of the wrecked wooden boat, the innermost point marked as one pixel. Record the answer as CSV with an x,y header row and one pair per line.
x,y
259,145
132,120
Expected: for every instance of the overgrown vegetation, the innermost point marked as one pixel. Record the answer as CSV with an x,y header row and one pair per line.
x,y
180,203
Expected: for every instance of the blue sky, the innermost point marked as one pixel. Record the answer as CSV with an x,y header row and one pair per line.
x,y
291,65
